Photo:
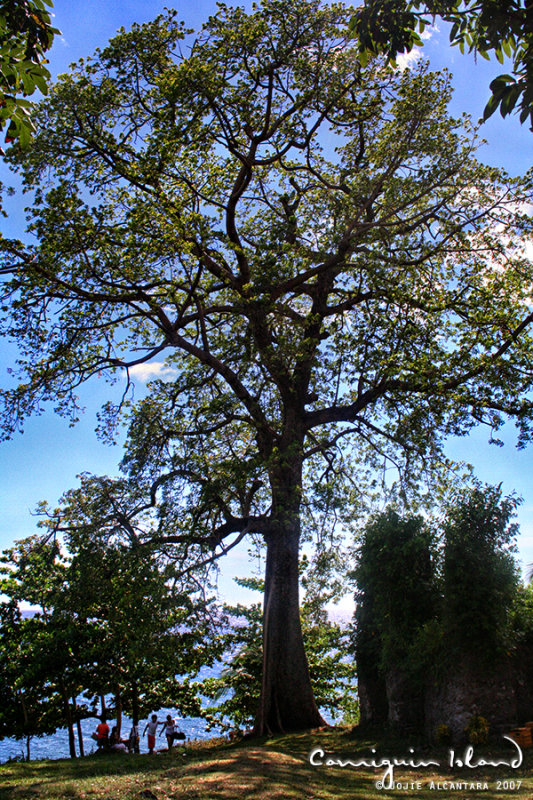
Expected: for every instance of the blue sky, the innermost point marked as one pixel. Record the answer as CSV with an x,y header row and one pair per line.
x,y
44,461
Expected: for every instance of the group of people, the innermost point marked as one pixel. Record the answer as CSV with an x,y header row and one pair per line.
x,y
107,739
110,740
168,726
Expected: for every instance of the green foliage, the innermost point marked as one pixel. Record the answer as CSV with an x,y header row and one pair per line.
x,y
148,634
46,650
26,33
477,730
424,604
107,621
522,615
397,593
27,706
332,671
314,313
480,575
499,26
287,335
238,688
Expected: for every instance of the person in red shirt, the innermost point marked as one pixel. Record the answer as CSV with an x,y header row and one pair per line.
x,y
102,733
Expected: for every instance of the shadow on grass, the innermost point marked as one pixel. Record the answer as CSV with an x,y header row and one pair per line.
x,y
262,774
35,776
275,769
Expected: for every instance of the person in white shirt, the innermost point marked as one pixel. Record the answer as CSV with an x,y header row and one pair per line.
x,y
151,727
169,727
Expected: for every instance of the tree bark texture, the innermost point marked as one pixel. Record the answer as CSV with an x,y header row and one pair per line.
x,y
287,701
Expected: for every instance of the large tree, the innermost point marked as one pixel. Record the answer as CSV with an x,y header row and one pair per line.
x,y
331,276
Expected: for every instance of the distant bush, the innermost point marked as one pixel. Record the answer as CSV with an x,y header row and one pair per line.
x,y
443,734
477,730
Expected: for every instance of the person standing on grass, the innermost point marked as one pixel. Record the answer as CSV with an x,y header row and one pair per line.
x,y
133,741
102,734
169,727
151,727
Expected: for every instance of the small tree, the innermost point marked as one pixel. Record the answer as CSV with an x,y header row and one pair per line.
x,y
107,622
29,706
150,634
52,645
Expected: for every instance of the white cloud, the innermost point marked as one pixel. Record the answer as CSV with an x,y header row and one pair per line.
x,y
152,369
428,32
408,60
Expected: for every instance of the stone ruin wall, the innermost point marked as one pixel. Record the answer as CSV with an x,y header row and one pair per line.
x,y
503,694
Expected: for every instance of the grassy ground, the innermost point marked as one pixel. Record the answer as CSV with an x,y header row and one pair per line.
x,y
273,769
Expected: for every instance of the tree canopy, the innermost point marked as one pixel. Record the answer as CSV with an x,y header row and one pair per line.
x,y
332,280
481,26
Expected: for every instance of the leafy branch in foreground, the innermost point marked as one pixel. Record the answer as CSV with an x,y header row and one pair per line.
x,y
26,33
479,26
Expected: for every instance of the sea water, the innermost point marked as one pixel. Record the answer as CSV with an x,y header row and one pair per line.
x,y
56,745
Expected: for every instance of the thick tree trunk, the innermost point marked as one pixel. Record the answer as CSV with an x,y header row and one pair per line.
x,y
287,701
